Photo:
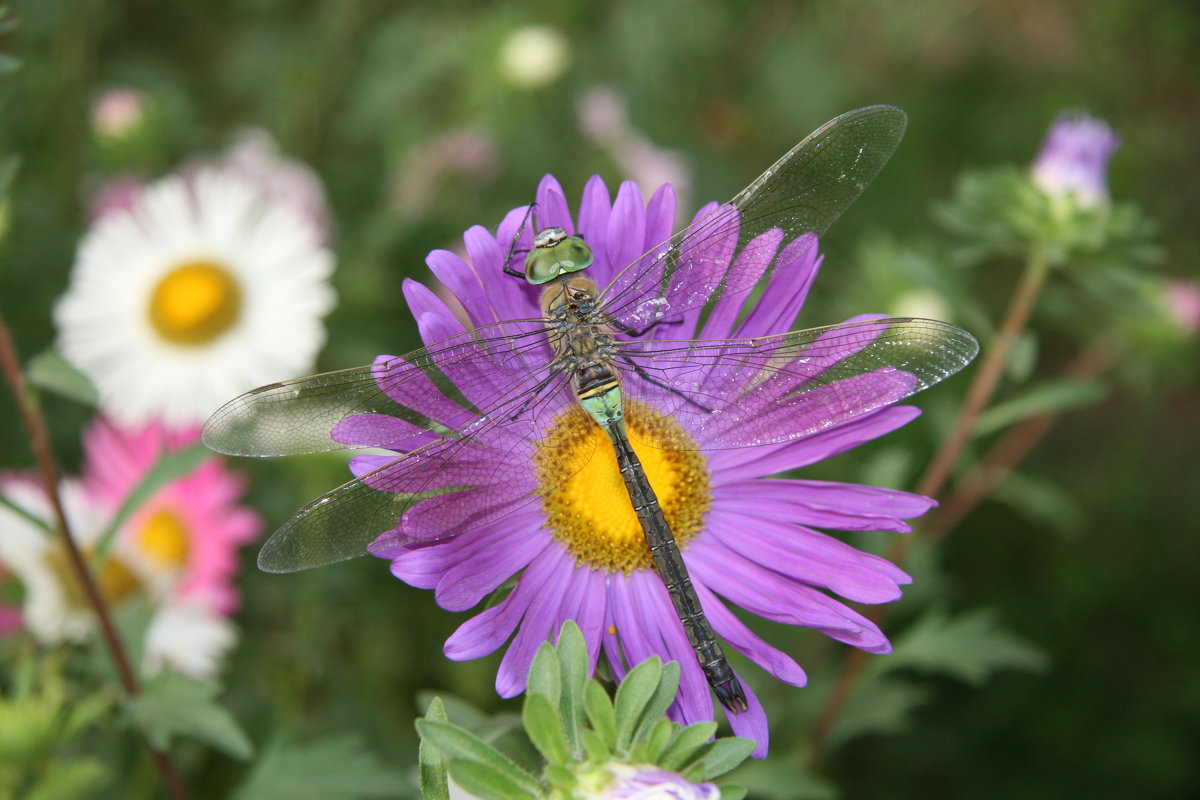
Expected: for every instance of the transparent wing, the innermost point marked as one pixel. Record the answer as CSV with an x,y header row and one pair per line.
x,y
445,488
740,392
725,253
445,386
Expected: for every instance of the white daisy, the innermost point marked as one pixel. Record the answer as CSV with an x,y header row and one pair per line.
x,y
188,637
204,287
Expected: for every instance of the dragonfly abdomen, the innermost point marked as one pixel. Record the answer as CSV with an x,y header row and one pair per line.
x,y
668,562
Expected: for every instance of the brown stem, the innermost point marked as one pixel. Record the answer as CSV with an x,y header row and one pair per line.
x,y
35,428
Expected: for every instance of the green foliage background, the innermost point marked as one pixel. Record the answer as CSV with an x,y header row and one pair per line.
x,y
360,89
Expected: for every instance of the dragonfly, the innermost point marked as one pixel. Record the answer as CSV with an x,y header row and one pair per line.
x,y
590,344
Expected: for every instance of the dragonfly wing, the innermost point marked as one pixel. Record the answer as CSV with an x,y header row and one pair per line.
x,y
483,472
740,392
429,393
727,252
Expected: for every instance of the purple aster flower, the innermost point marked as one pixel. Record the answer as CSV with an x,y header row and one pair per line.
x,y
1074,158
630,782
580,553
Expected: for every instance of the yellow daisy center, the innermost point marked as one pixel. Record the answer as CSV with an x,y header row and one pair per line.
x,y
195,303
164,539
115,581
591,513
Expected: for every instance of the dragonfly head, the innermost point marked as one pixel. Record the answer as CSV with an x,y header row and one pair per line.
x,y
555,254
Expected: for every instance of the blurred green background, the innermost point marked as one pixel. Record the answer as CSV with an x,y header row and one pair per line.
x,y
369,94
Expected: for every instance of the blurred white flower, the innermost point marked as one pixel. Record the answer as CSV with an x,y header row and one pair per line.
x,y
922,303
534,56
189,637
204,287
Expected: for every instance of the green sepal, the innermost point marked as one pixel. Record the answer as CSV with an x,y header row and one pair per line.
x,y
459,744
545,729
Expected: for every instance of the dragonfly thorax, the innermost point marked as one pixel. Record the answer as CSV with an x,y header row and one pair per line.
x,y
555,254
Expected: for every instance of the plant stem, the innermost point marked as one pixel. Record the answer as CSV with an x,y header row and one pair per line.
x,y
979,393
35,428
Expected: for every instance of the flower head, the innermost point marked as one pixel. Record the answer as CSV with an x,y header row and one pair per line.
x,y
580,553
630,782
176,552
1073,159
201,287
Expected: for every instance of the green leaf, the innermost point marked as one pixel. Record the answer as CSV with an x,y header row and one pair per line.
x,y
660,701
732,792
1048,397
573,663
544,676
594,747
435,784
545,729
171,705
1040,500
8,171
685,744
880,705
333,768
969,647
635,691
720,757
170,467
600,714
652,745
76,779
490,783
458,743
50,371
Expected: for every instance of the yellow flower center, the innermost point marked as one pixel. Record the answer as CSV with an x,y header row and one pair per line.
x,y
115,581
195,303
164,539
591,513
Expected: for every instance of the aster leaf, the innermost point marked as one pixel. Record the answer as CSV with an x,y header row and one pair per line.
x,y
881,704
969,647
459,744
169,467
1049,397
561,777
687,741
719,757
171,705
600,714
573,664
545,729
435,784
664,695
544,676
594,747
633,694
650,747
50,371
336,767
489,782
69,779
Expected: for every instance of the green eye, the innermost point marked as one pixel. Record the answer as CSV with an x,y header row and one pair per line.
x,y
555,254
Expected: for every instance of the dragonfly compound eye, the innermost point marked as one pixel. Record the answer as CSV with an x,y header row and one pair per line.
x,y
556,254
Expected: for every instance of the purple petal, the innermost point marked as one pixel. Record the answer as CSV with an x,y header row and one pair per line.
x,y
435,321
594,210
368,462
767,594
626,226
824,504
749,266
381,430
489,561
751,723
756,462
795,270
660,216
779,664
457,276
486,631
552,206
800,554
542,619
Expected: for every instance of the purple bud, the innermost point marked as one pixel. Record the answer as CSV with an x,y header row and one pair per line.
x,y
1074,159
